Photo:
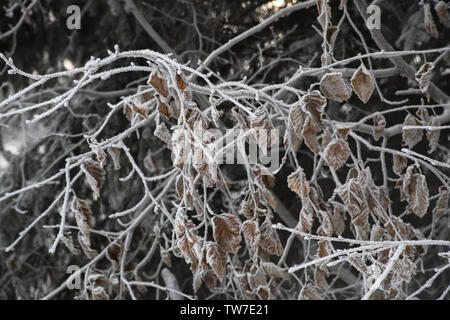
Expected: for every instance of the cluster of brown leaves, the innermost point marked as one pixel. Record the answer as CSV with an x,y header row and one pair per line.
x,y
334,86
305,121
101,284
403,269
361,198
413,188
411,137
329,216
210,254
191,141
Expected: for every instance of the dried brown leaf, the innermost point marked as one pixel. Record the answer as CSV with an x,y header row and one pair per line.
x,y
320,277
263,292
264,176
181,83
324,249
337,153
114,254
307,216
216,258
159,84
338,220
411,136
343,132
352,194
187,244
162,133
309,134
379,123
274,271
442,12
298,183
227,232
263,129
248,207
442,202
270,240
314,104
83,215
95,175
85,244
334,87
324,13
424,75
416,191
128,112
377,233
195,118
252,235
142,111
296,121
331,35
326,137
430,26
400,163
68,242
363,83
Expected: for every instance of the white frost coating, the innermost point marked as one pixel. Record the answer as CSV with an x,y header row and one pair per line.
x,y
386,271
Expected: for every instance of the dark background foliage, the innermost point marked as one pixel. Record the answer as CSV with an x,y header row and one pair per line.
x,y
193,29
